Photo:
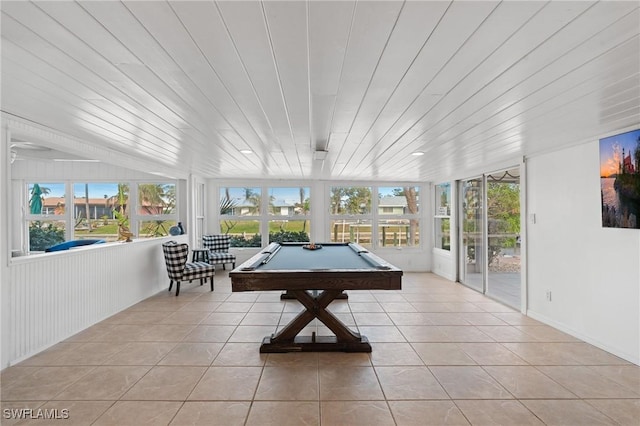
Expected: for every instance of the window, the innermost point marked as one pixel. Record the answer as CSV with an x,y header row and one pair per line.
x,y
63,211
390,220
351,214
94,210
442,216
398,220
45,233
236,206
45,218
350,200
372,216
285,216
46,199
240,201
289,211
156,208
199,211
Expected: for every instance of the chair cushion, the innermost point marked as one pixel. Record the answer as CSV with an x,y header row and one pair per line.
x,y
215,257
196,270
216,243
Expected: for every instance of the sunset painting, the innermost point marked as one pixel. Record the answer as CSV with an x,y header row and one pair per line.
x,y
620,180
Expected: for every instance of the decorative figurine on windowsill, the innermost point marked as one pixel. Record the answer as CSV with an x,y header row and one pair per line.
x,y
124,234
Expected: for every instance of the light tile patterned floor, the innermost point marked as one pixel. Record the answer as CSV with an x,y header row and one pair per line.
x,y
442,355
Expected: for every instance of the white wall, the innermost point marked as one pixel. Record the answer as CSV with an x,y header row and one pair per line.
x,y
593,273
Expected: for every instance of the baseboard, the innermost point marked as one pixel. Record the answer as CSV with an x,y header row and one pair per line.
x,y
635,359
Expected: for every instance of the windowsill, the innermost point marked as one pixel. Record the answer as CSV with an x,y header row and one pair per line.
x,y
442,252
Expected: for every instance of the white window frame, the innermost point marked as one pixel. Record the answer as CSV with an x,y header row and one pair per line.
x,y
263,216
374,216
134,217
437,214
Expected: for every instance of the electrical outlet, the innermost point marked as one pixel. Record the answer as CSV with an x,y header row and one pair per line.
x,y
549,296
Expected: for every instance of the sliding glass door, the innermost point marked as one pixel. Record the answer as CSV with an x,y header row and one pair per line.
x,y
503,235
489,236
472,233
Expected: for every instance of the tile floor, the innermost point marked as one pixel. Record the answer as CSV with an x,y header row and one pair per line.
x,y
442,355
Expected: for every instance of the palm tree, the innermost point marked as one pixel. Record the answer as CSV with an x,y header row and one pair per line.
x,y
252,197
227,207
121,200
304,207
152,198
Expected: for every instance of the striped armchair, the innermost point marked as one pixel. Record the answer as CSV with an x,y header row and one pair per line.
x,y
218,246
178,269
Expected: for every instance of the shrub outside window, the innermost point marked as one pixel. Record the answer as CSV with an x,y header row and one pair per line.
x,y
244,233
289,231
45,214
45,233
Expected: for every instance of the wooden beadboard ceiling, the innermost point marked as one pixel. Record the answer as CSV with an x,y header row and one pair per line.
x,y
185,85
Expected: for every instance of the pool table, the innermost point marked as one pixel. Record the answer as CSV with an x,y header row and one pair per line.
x,y
315,275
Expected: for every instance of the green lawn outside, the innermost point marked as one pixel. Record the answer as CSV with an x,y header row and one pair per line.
x,y
253,227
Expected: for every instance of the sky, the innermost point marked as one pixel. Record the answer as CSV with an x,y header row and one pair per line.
x,y
289,195
96,190
611,150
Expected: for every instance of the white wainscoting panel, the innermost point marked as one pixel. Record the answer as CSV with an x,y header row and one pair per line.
x,y
55,295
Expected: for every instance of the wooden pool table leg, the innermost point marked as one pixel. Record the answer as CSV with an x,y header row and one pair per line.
x,y
287,339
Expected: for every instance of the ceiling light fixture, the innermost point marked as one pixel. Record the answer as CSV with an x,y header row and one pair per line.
x,y
246,151
320,155
417,153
